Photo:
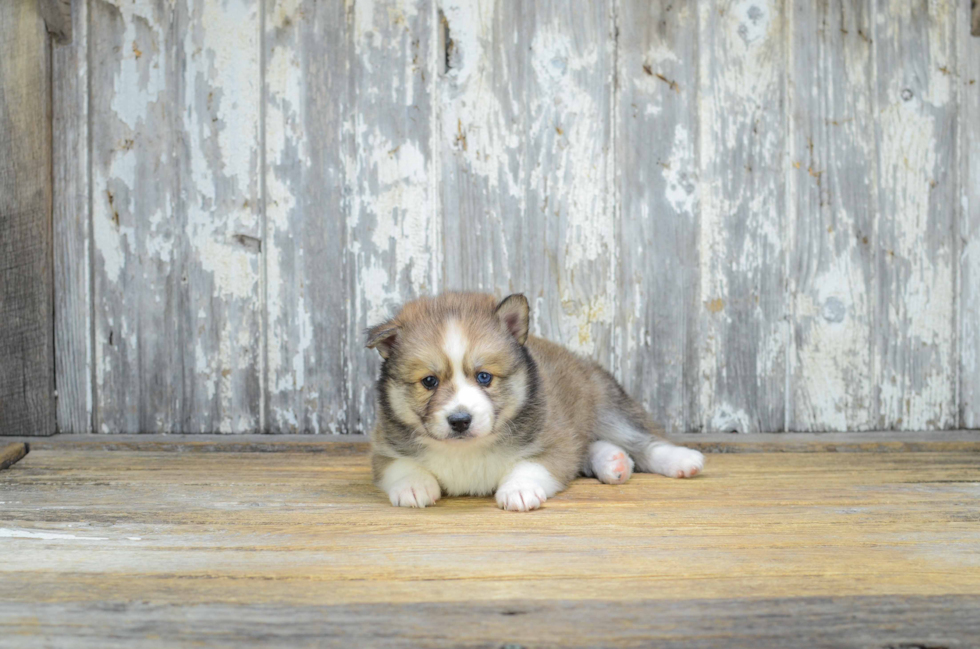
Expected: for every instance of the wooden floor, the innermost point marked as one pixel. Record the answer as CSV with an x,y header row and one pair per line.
x,y
128,547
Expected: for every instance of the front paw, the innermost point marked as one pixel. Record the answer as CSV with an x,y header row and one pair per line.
x,y
676,461
521,496
415,491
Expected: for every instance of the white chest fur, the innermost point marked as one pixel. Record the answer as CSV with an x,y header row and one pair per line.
x,y
468,468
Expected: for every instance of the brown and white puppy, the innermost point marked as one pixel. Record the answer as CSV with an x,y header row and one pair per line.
x,y
468,403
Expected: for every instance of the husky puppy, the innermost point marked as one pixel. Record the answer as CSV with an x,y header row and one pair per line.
x,y
468,403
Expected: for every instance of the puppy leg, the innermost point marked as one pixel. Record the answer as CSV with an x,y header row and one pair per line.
x,y
610,463
527,487
653,454
408,484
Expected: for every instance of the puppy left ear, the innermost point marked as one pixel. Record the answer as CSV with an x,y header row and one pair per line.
x,y
383,338
515,316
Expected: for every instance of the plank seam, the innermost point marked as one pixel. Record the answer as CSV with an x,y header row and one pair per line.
x,y
264,250
93,389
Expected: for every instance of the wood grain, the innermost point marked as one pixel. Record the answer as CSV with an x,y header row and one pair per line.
x,y
72,231
915,371
162,537
394,236
308,145
968,125
136,261
841,622
742,232
832,189
26,272
11,453
658,209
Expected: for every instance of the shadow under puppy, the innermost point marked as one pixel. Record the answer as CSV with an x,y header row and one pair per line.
x,y
468,403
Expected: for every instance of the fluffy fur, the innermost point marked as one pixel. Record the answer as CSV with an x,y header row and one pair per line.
x,y
544,416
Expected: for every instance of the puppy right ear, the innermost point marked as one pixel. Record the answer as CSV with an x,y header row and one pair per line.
x,y
383,338
515,315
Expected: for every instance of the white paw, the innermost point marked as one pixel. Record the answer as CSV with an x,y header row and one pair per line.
x,y
521,495
526,487
676,461
409,485
415,491
610,463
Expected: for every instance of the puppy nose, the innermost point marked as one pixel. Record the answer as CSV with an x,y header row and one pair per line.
x,y
459,421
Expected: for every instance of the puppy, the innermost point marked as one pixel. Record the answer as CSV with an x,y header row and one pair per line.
x,y
468,403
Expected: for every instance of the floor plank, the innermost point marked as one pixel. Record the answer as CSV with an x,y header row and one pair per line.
x,y
844,549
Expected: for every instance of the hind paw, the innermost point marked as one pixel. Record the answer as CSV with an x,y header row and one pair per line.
x,y
610,464
676,461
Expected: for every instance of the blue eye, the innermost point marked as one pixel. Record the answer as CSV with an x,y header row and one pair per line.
x,y
430,382
484,378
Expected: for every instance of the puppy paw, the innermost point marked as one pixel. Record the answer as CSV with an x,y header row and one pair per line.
x,y
610,463
526,487
521,496
416,491
676,461
409,485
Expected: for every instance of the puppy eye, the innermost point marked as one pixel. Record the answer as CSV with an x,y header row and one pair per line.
x,y
484,378
430,382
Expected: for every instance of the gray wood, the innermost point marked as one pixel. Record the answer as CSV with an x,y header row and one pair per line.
x,y
832,188
136,264
975,18
742,148
968,125
308,143
891,622
176,189
961,441
658,180
218,300
26,274
393,231
482,138
570,244
72,235
915,361
57,16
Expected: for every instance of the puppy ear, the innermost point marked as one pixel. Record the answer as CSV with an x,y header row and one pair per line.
x,y
515,316
383,337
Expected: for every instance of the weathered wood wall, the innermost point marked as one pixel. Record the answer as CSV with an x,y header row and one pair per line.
x,y
27,376
763,215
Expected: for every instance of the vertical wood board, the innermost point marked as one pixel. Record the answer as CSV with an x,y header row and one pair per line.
x,y
742,235
27,405
832,189
657,181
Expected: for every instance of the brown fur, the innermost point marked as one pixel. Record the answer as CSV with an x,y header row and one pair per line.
x,y
550,403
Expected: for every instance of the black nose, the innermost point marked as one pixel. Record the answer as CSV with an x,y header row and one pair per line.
x,y
459,421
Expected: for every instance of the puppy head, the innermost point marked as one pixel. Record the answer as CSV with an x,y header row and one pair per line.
x,y
454,369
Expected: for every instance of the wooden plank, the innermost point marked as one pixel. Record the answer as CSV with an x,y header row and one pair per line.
x,y
57,16
741,151
832,211
26,291
657,175
308,144
176,216
570,241
72,234
220,298
968,128
915,364
394,250
960,441
136,239
275,530
10,454
482,152
840,622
